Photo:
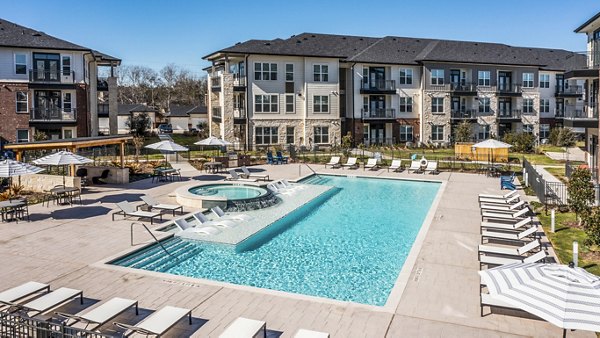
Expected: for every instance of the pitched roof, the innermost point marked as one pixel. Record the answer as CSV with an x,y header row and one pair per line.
x,y
585,24
199,109
176,110
125,109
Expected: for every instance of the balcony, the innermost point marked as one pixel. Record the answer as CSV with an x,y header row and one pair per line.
x,y
378,87
239,114
571,91
379,113
510,114
582,118
464,89
216,114
54,114
103,110
529,112
463,114
509,90
102,84
51,76
239,81
568,110
215,83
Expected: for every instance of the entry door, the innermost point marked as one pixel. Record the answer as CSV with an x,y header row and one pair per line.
x,y
377,106
560,107
455,104
455,77
504,107
46,67
560,82
377,133
377,77
504,80
47,104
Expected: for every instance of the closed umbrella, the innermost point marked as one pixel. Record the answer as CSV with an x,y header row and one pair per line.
x,y
61,158
568,297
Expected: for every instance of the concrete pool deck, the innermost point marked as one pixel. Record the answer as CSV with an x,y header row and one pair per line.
x,y
63,245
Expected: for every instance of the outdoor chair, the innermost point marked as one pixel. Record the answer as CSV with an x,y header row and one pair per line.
x,y
395,166
158,322
508,251
15,294
222,223
507,185
508,236
101,314
222,216
508,201
504,226
82,173
334,162
154,204
502,197
270,159
188,228
244,327
236,177
277,190
247,174
127,210
351,163
504,208
22,211
415,166
49,301
506,216
431,167
371,164
281,159
103,176
495,260
288,185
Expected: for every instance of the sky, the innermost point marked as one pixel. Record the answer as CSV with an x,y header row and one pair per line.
x,y
155,33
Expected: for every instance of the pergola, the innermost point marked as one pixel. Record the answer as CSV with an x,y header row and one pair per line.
x,y
71,145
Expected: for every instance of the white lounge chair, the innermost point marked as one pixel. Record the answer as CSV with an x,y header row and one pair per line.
x,y
50,301
494,260
508,251
303,333
509,236
127,210
154,204
506,207
289,185
415,166
488,300
395,166
275,189
351,163
248,174
245,328
101,314
188,228
334,162
505,196
222,223
158,322
508,216
236,217
14,294
236,177
371,164
500,201
431,167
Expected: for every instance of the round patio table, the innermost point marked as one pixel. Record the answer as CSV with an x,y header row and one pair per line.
x,y
214,167
63,193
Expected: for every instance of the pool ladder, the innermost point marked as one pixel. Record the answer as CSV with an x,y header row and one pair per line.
x,y
151,234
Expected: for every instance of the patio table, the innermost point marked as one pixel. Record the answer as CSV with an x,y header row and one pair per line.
x,y
213,167
8,207
64,193
162,174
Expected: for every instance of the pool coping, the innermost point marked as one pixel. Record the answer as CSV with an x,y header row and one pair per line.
x,y
392,302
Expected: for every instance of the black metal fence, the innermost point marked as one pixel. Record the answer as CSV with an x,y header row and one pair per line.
x,y
21,326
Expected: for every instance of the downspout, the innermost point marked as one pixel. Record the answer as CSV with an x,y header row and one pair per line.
x,y
88,125
352,100
421,113
246,67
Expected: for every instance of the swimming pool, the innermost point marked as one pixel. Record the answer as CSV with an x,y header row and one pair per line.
x,y
348,244
231,192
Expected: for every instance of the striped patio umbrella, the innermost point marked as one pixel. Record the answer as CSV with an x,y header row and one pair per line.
x,y
568,297
10,168
61,158
167,145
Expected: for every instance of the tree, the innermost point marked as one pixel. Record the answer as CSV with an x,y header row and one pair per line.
x,y
562,137
591,226
346,143
138,126
581,192
521,142
463,132
202,129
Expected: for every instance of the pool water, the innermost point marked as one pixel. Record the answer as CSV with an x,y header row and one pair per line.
x,y
348,244
231,192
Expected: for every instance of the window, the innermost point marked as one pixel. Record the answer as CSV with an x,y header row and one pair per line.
x,y
406,76
265,104
289,135
437,77
365,104
406,105
320,104
406,133
544,80
20,63
289,103
437,104
265,71
66,65
321,73
67,133
67,103
544,105
22,135
484,132
527,80
528,106
483,78
437,133
544,131
265,135
321,135
484,105
289,72
528,128
22,102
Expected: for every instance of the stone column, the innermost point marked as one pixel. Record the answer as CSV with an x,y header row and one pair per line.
x,y
227,120
113,106
93,99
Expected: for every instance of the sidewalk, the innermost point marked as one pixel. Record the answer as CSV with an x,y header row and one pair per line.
x,y
572,154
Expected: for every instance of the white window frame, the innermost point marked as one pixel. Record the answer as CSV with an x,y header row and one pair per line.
x,y
266,69
20,64
406,105
321,134
322,104
287,104
529,107
264,136
289,73
263,103
544,105
406,76
485,105
17,101
22,140
528,81
287,134
528,128
544,80
321,73
62,65
439,107
439,131
439,77
404,133
484,78
72,130
544,131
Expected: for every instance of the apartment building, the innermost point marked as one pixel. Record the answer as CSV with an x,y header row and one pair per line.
x,y
587,118
52,86
311,89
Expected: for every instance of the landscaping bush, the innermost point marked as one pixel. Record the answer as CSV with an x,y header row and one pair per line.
x,y
562,137
521,142
463,132
591,226
581,192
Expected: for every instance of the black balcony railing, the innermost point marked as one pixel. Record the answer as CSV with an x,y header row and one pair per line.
x,y
51,76
53,114
509,89
588,112
379,85
509,114
239,113
215,81
102,84
463,87
379,113
463,114
571,90
239,80
216,112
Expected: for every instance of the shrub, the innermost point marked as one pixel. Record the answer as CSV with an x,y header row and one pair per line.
x,y
591,226
463,132
521,142
562,137
581,192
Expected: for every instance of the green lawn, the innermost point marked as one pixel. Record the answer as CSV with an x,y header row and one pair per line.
x,y
558,173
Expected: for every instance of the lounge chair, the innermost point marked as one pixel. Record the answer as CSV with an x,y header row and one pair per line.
x,y
431,167
103,176
151,202
289,185
508,251
245,328
371,164
303,333
221,223
511,200
281,159
50,301
509,236
277,190
187,227
415,166
494,260
101,314
508,216
158,322
505,196
508,185
488,300
506,207
127,210
507,226
248,174
14,294
334,162
395,166
222,216
351,163
236,177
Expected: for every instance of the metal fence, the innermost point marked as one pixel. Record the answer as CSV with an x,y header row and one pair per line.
x,y
21,326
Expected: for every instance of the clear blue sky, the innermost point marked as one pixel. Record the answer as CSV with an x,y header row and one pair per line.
x,y
154,33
